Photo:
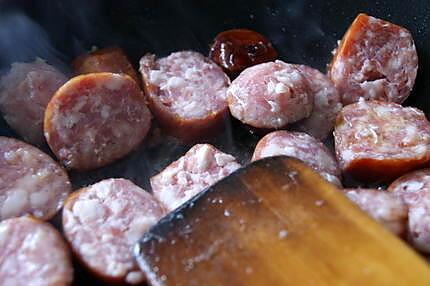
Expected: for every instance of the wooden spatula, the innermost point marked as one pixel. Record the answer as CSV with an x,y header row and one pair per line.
x,y
275,222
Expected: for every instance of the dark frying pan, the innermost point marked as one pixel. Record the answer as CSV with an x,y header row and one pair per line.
x,y
303,31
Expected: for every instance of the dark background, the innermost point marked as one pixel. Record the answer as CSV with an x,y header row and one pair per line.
x,y
303,32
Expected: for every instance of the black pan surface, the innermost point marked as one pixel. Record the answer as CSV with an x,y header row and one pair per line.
x,y
303,31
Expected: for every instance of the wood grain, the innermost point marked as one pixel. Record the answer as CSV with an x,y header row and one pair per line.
x,y
275,222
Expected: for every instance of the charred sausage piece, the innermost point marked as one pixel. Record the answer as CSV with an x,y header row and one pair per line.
x,y
237,49
24,94
95,119
103,221
33,253
384,207
186,94
375,60
414,189
303,147
270,95
202,166
377,141
327,104
111,59
31,182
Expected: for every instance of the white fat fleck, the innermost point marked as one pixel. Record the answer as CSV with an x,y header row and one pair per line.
x,y
14,203
274,107
271,87
203,155
135,277
115,83
105,111
88,210
39,199
223,159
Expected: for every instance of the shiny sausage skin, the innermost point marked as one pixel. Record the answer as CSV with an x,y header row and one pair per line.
x,y
110,59
237,49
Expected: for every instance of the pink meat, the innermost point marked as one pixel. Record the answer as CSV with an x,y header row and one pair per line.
x,y
24,93
384,207
378,141
270,95
300,146
375,60
30,181
33,253
95,119
414,189
103,221
202,166
326,104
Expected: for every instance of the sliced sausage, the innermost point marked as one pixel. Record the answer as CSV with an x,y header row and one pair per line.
x,y
186,94
33,253
327,104
103,221
24,94
377,141
414,189
30,181
303,147
235,50
111,59
375,60
95,119
384,207
202,166
270,95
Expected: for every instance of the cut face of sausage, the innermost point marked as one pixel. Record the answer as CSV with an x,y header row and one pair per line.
x,y
186,93
384,207
303,147
202,166
33,253
95,119
327,104
270,95
375,60
414,189
103,221
111,59
377,141
30,181
24,94
236,49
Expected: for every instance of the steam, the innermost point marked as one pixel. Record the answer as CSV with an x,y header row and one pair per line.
x,y
22,40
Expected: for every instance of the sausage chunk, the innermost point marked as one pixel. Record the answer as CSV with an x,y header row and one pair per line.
x,y
377,141
300,146
375,60
111,59
30,181
270,95
202,166
33,253
235,50
327,104
186,93
103,221
414,189
384,207
24,94
95,119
